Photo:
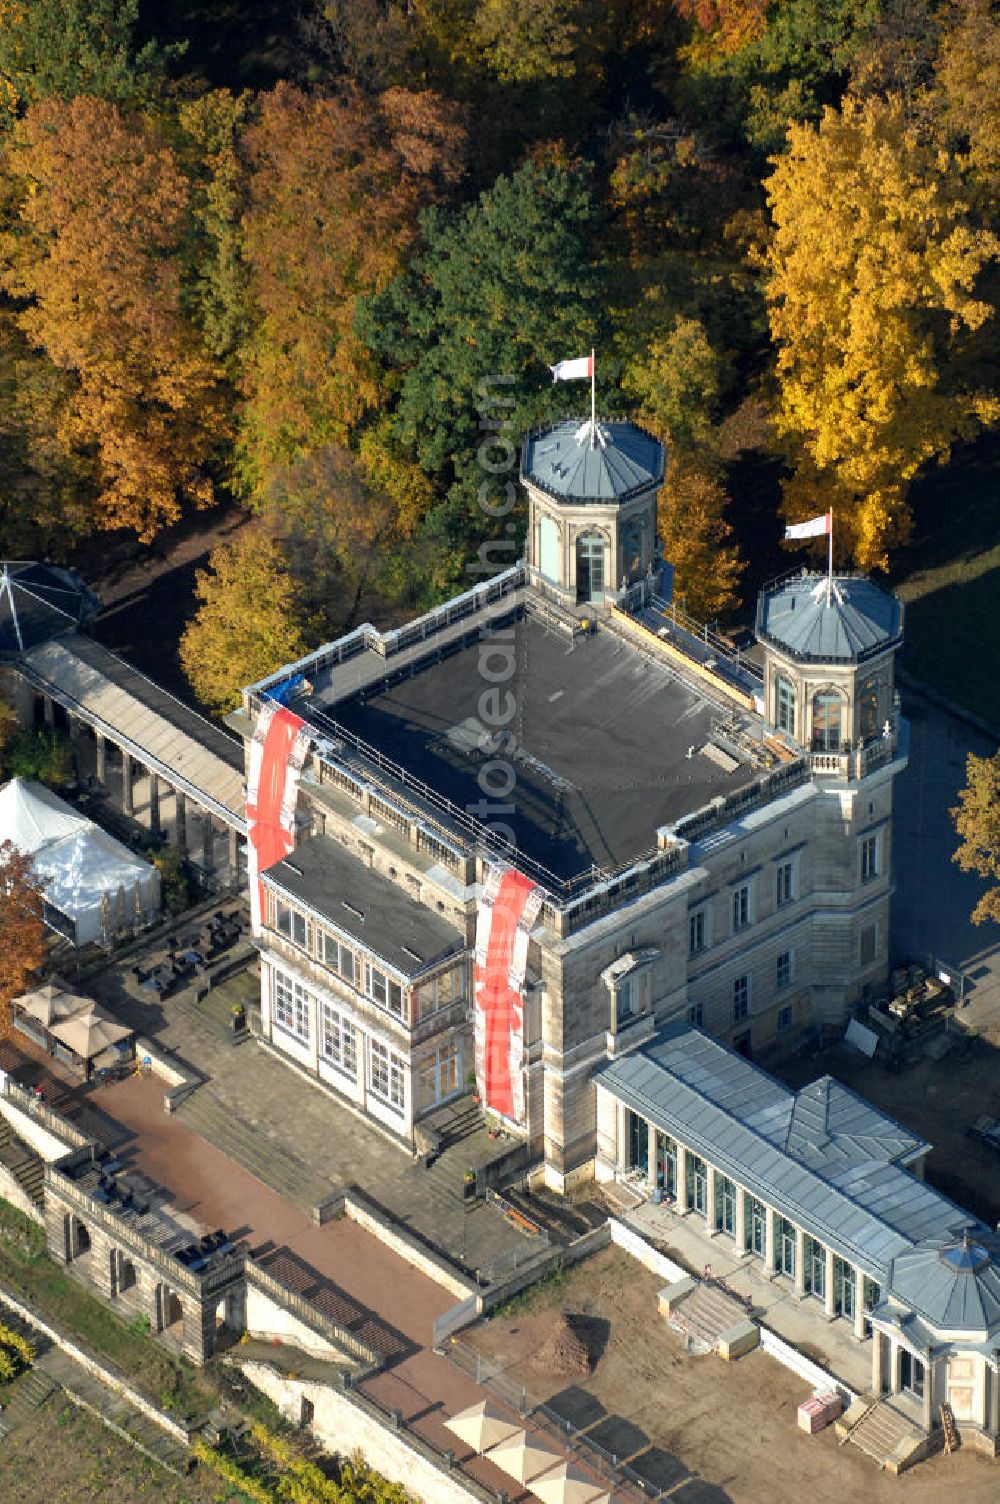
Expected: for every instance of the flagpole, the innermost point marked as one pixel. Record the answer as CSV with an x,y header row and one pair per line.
x,y
593,398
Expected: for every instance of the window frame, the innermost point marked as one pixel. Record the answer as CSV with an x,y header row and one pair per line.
x,y
698,928
395,1070
784,974
294,922
288,1013
334,1023
741,998
871,869
784,701
784,883
742,907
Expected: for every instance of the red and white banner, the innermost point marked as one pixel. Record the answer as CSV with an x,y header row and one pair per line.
x,y
277,752
507,911
816,527
573,370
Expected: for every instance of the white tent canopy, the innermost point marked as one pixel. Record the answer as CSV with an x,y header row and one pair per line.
x,y
89,878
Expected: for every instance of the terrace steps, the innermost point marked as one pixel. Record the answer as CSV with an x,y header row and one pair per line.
x,y
117,1413
252,1148
887,1436
27,1167
28,1394
707,1312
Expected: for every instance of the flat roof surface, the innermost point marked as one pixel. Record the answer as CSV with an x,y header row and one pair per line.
x,y
365,905
822,1156
600,734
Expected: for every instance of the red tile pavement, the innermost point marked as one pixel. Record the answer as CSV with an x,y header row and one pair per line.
x,y
206,1184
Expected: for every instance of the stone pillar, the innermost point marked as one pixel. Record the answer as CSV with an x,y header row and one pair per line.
x,y
234,855
710,1223
992,1378
829,1300
101,749
877,1365
154,804
928,1397
180,822
650,1156
770,1250
741,1220
800,1263
127,802
682,1180
207,842
49,711
859,1306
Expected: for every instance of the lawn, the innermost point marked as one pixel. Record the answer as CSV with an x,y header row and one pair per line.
x,y
64,1455
28,1272
949,578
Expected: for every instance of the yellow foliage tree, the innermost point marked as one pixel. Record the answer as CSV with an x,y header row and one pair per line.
x,y
94,256
872,276
251,620
697,539
976,818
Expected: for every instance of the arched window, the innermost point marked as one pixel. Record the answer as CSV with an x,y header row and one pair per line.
x,y
631,552
784,705
590,567
868,719
826,721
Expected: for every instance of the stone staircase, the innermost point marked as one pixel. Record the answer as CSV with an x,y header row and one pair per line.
x,y
116,1412
888,1437
27,1167
252,1148
27,1394
706,1313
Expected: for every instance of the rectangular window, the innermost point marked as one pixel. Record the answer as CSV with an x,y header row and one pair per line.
x,y
741,998
844,1288
383,990
868,944
783,970
741,907
287,921
785,884
696,930
439,1075
696,1014
386,1075
339,1041
784,1020
784,1246
815,1267
697,1183
624,1000
338,957
869,858
755,1225
725,1204
291,1006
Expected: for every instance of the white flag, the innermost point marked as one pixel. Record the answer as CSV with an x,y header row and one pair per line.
x,y
573,370
816,527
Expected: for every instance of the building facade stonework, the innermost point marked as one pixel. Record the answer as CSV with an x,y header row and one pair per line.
x,y
698,860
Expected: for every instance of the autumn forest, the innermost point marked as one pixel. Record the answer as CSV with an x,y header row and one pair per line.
x,y
267,256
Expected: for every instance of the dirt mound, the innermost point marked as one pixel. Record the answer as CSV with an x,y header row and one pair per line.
x,y
563,1352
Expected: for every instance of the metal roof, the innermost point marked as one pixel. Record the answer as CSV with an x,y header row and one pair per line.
x,y
38,601
822,1156
365,906
189,752
623,461
953,1283
843,622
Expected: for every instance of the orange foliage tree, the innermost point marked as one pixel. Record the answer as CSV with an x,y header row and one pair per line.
x,y
733,22
94,256
22,929
334,191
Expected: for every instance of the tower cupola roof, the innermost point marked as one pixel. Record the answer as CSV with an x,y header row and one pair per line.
x,y
617,461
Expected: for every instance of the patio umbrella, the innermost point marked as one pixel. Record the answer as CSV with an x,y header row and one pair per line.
x,y
52,1002
567,1485
481,1426
521,1457
87,1034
